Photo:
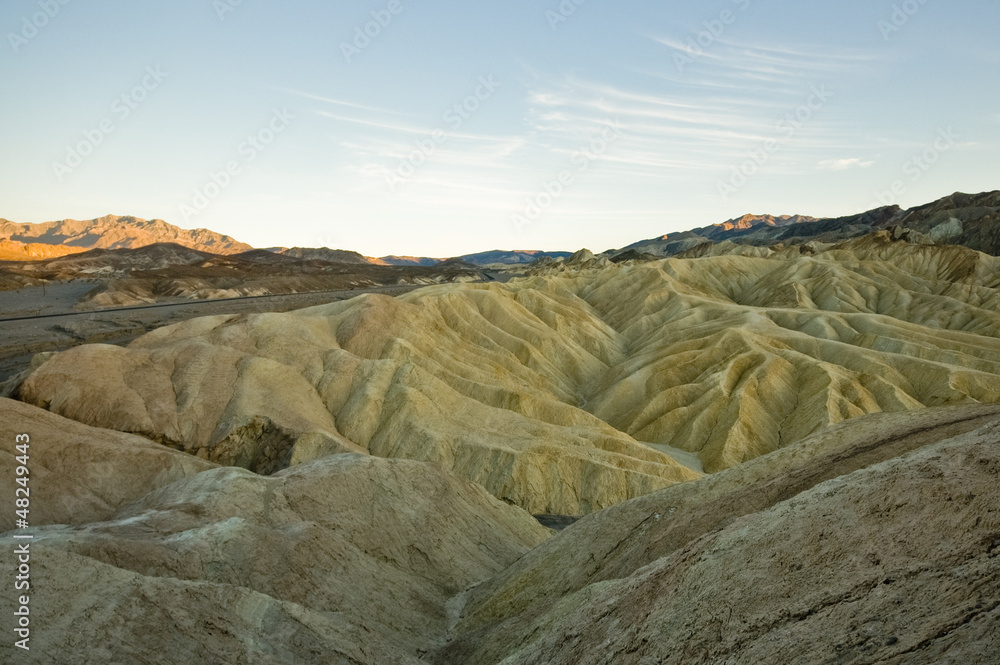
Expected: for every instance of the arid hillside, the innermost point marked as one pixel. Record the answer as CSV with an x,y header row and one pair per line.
x,y
21,242
779,455
167,272
970,220
146,555
875,541
572,390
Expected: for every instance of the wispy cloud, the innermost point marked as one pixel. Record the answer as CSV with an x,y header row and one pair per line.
x,y
755,68
336,102
672,129
392,126
844,164
677,131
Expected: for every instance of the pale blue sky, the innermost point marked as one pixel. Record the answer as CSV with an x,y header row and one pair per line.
x,y
361,146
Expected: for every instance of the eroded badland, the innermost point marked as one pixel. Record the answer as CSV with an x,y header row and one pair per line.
x,y
784,454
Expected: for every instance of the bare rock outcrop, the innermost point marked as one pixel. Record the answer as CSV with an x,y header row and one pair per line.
x,y
875,541
347,559
82,474
565,392
398,379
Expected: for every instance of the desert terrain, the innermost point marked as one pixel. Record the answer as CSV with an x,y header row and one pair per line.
x,y
116,288
755,449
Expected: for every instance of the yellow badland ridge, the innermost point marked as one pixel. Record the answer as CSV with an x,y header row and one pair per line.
x,y
569,391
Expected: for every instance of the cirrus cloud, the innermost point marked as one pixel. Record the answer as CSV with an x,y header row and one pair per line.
x,y
844,164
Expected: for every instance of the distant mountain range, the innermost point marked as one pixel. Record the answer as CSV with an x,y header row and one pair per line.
x,y
25,242
325,254
508,257
49,240
404,261
153,273
972,220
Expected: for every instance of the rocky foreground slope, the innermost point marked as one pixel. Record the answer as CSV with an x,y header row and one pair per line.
x,y
570,391
146,555
876,541
787,456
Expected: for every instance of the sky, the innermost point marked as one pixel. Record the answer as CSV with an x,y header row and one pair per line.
x,y
439,128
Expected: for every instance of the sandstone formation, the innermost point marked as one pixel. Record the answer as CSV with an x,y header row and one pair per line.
x,y
350,559
134,291
784,454
877,541
82,474
574,389
873,541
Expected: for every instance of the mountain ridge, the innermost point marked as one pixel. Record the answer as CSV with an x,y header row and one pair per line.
x,y
108,232
970,220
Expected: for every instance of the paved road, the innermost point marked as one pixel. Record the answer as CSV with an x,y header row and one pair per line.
x,y
35,324
333,295
22,336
